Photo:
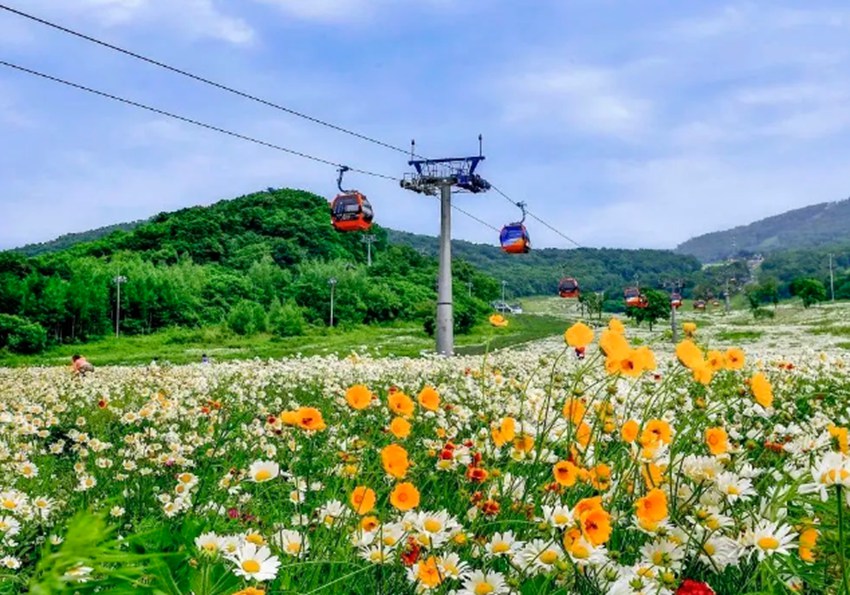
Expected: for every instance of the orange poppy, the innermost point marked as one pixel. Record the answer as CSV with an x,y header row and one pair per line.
x,y
400,404
395,462
716,439
566,473
404,496
429,398
362,500
358,396
578,335
652,508
310,418
400,427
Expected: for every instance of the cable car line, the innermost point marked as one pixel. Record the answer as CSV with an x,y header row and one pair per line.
x,y
535,217
471,216
202,79
190,120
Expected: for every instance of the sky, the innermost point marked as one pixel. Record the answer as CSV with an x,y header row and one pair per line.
x,y
621,123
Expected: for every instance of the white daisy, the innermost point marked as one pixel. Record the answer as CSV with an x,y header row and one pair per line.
x,y
254,563
290,542
480,583
261,471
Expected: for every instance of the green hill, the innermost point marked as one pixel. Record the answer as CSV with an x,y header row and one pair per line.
x,y
809,227
68,240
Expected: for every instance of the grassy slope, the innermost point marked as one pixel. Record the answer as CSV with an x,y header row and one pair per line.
x,y
186,346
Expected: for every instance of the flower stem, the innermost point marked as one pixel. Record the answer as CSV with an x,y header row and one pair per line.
x,y
840,503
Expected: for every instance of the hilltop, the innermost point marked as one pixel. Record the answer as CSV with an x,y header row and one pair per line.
x,y
814,226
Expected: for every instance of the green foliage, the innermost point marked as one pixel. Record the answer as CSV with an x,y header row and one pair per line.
x,y
21,335
658,308
247,318
811,291
286,320
594,302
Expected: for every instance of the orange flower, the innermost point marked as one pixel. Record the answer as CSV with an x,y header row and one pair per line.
x,y
400,427
646,358
310,418
689,354
428,573
690,328
716,439
630,431
524,443
631,364
429,398
586,504
574,410
394,460
841,435
401,404
505,433
566,474
583,434
655,431
808,541
362,500
703,373
498,320
289,418
578,335
358,396
404,496
250,591
734,358
369,523
716,360
762,390
652,508
653,475
615,326
613,344
600,477
596,526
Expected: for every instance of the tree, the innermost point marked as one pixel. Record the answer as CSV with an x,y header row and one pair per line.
x,y
657,308
809,290
593,301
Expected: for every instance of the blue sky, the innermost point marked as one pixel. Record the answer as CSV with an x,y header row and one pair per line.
x,y
624,123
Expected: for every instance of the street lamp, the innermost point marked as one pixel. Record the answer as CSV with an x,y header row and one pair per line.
x,y
332,283
118,281
504,284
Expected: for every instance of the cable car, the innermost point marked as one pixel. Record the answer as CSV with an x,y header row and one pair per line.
x,y
634,298
514,237
350,210
568,288
676,300
699,305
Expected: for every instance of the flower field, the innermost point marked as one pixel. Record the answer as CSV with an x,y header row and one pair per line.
x,y
627,470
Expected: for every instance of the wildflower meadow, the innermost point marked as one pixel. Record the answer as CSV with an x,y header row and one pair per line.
x,y
591,466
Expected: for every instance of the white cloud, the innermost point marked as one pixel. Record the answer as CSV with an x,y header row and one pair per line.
x,y
590,99
193,18
347,11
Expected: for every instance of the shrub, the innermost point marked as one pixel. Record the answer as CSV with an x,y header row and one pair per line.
x,y
286,320
22,336
247,318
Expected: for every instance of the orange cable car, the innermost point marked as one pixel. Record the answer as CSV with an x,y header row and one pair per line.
x,y
634,298
350,210
568,288
676,300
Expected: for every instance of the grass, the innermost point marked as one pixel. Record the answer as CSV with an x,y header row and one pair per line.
x,y
181,346
738,336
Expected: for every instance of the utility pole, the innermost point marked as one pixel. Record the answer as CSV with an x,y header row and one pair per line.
x,y
675,287
431,176
504,284
469,287
727,302
118,281
831,279
368,240
332,283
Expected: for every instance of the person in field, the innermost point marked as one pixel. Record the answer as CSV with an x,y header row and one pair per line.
x,y
80,365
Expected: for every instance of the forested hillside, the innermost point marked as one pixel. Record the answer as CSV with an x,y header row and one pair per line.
x,y
537,273
810,227
258,262
67,240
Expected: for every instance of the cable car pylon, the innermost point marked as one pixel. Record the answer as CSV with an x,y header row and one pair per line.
x,y
444,175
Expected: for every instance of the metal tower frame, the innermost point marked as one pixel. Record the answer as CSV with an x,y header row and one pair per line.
x,y
445,175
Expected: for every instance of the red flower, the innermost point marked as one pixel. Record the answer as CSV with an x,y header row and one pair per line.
x,y
690,587
410,555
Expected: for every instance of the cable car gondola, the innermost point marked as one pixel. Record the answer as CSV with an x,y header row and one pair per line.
x,y
699,305
634,298
676,300
568,288
350,210
514,237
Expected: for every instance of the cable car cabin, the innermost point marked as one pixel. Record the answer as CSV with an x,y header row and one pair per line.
x,y
634,298
515,239
676,300
699,305
351,211
568,288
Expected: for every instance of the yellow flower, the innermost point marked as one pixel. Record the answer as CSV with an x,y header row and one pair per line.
x,y
615,326
505,433
630,431
652,507
428,573
690,328
578,335
394,460
429,398
762,390
566,474
614,344
400,427
498,320
716,360
574,410
655,431
358,396
689,354
716,439
401,404
596,526
404,496
362,500
734,358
